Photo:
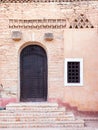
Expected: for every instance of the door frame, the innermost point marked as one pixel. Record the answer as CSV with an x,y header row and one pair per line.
x,y
18,67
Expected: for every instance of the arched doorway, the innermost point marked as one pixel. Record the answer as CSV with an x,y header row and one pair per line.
x,y
33,74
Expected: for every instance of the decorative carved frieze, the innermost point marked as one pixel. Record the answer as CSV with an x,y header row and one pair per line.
x,y
37,23
42,1
81,22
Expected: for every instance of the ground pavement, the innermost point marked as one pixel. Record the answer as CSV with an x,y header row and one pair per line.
x,y
87,128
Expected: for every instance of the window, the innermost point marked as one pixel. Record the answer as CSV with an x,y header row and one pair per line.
x,y
73,72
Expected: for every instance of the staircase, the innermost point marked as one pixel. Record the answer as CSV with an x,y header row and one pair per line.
x,y
35,115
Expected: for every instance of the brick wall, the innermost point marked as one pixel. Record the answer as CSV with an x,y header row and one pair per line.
x,y
67,43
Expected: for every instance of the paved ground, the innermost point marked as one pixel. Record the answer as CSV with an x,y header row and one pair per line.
x,y
86,128
66,128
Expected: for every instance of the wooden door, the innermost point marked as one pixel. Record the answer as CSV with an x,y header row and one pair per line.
x,y
33,74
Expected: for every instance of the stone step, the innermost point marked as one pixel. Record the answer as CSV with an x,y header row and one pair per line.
x,y
55,113
90,118
30,115
34,115
32,118
76,123
47,122
36,109
12,115
31,105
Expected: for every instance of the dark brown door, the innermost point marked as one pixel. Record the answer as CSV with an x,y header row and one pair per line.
x,y
33,74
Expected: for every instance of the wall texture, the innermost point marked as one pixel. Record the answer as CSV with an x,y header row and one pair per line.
x,y
81,42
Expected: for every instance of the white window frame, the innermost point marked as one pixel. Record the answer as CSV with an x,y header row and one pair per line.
x,y
66,69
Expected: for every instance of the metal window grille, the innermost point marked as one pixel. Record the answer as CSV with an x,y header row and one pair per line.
x,y
73,72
